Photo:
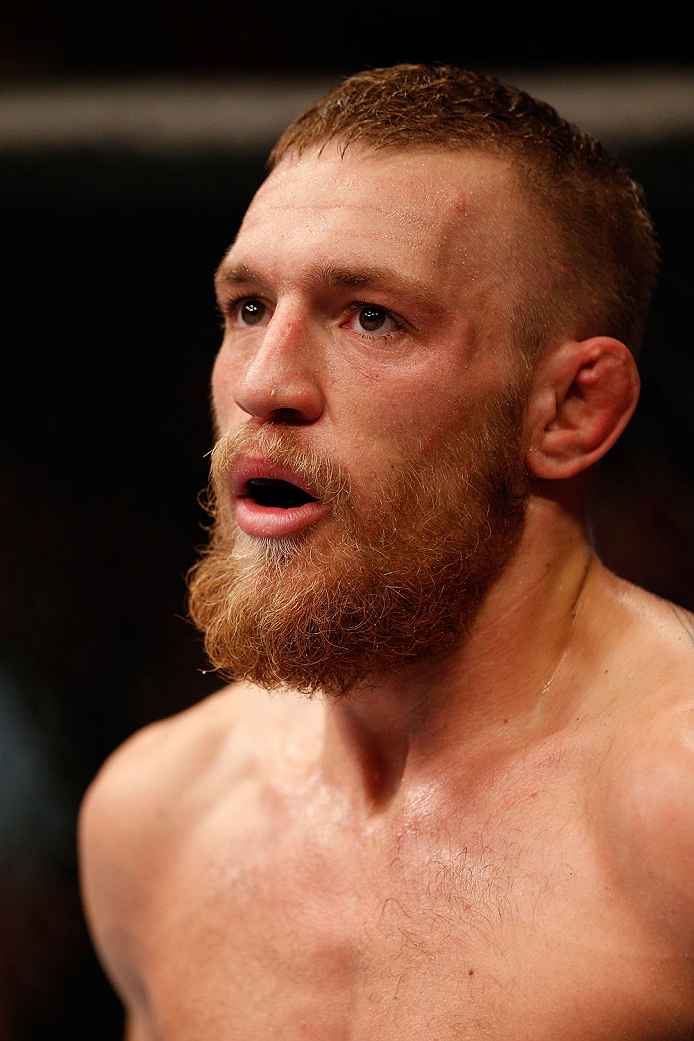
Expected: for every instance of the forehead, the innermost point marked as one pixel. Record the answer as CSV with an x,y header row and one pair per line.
x,y
439,213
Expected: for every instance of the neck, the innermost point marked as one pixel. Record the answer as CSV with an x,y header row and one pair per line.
x,y
488,694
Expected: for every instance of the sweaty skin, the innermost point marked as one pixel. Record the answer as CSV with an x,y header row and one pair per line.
x,y
496,843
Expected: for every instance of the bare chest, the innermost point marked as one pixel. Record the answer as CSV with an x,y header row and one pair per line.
x,y
292,923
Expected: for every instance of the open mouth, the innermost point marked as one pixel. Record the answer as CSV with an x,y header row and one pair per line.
x,y
273,493
270,502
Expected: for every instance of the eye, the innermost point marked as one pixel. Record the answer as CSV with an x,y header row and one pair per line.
x,y
369,318
250,312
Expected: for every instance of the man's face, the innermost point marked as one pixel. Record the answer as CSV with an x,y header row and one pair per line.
x,y
370,475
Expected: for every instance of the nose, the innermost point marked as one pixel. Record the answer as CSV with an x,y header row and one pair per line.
x,y
279,381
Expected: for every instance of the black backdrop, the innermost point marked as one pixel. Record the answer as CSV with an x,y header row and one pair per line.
x,y
109,335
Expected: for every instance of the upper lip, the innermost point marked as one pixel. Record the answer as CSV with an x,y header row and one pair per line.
x,y
250,467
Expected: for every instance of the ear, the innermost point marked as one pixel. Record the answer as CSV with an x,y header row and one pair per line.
x,y
584,394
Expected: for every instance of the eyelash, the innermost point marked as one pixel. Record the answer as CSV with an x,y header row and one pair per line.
x,y
357,305
230,306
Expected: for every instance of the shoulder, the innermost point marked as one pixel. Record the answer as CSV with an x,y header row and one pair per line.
x,y
161,760
641,628
640,650
171,769
156,788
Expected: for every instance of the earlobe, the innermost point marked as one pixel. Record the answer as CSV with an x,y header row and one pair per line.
x,y
584,394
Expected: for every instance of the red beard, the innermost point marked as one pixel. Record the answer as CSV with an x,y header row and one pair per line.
x,y
398,579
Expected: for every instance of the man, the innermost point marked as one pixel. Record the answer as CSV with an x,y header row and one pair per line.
x,y
481,824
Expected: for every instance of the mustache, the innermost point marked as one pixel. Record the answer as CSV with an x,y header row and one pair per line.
x,y
281,446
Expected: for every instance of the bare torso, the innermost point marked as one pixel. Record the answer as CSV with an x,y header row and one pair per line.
x,y
234,894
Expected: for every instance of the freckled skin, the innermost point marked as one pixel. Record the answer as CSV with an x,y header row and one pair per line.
x,y
494,844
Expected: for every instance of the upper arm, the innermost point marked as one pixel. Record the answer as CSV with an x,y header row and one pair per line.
x,y
133,820
136,1030
651,813
117,844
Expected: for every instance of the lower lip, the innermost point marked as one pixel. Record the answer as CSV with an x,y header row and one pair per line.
x,y
272,522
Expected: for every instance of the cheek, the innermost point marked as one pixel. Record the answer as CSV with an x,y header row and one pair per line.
x,y
226,412
218,387
414,413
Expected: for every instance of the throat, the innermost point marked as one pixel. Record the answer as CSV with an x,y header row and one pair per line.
x,y
372,752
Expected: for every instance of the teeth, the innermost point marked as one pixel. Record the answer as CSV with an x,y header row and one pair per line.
x,y
268,491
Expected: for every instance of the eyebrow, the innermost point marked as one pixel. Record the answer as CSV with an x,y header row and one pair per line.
x,y
236,274
333,276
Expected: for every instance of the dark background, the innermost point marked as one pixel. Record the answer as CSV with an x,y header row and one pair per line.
x,y
109,335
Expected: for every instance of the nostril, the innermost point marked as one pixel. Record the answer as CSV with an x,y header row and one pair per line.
x,y
290,415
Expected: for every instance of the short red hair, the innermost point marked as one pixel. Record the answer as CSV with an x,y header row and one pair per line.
x,y
583,195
